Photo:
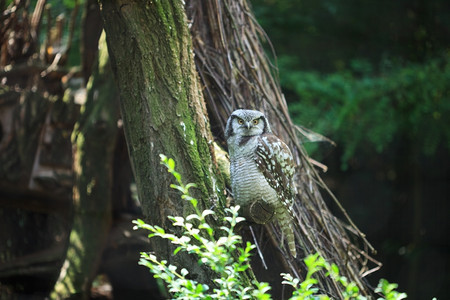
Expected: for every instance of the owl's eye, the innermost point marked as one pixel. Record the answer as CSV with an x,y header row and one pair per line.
x,y
255,122
240,121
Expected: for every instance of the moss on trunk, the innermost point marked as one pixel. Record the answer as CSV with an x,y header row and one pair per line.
x,y
163,111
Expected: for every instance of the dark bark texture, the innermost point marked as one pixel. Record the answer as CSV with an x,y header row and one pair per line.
x,y
163,111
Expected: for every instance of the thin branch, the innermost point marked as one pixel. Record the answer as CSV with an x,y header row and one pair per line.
x,y
257,248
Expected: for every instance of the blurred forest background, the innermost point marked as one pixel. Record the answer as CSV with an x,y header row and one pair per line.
x,y
372,76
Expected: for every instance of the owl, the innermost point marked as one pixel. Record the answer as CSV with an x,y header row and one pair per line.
x,y
261,171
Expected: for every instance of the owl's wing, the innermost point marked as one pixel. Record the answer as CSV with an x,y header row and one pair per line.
x,y
275,161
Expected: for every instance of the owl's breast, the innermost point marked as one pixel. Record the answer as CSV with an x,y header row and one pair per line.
x,y
249,184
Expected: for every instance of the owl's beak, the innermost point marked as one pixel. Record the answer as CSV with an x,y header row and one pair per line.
x,y
249,124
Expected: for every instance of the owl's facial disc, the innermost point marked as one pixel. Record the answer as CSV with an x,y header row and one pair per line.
x,y
249,127
246,125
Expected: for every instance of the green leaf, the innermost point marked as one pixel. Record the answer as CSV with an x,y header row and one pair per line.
x,y
159,229
207,212
199,288
184,272
171,164
309,260
176,250
177,187
177,177
335,269
193,217
190,185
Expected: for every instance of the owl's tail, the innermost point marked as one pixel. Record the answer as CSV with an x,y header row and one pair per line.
x,y
288,232
291,240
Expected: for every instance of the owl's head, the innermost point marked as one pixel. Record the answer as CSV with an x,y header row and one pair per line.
x,y
245,122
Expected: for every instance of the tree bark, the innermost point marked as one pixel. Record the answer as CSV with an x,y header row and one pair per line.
x,y
163,111
93,140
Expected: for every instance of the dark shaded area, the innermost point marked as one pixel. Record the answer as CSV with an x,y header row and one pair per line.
x,y
404,213
353,70
328,35
40,99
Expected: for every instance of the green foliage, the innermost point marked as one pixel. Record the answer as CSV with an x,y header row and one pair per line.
x,y
222,255
307,288
366,112
388,289
228,260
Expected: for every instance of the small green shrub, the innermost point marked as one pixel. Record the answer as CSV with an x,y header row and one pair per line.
x,y
388,290
222,255
228,260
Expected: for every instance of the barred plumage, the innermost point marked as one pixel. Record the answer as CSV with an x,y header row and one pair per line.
x,y
262,170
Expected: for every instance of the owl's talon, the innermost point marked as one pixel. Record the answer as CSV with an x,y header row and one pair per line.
x,y
261,212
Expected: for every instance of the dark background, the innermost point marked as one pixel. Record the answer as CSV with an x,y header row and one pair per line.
x,y
373,76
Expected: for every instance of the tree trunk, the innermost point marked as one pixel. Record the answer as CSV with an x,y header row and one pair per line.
x,y
93,140
162,110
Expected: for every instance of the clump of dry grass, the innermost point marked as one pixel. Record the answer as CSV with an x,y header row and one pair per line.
x,y
236,73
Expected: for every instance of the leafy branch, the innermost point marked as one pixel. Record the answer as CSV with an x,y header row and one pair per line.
x,y
228,260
